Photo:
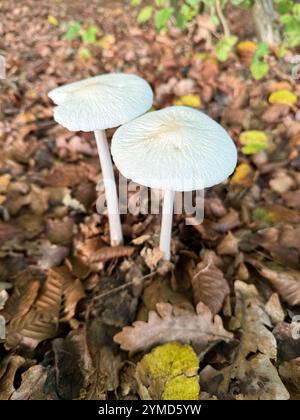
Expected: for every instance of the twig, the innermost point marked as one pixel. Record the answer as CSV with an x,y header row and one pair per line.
x,y
222,18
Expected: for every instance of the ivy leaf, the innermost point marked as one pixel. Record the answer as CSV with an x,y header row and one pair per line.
x,y
145,14
162,17
224,47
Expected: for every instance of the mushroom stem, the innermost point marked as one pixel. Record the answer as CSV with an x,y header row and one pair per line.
x,y
115,228
166,224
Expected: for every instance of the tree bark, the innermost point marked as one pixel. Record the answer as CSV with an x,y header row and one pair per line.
x,y
264,19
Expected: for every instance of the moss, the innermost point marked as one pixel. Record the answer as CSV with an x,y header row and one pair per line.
x,y
170,372
182,388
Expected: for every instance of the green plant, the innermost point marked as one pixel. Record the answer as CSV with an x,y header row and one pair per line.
x,y
224,47
290,19
259,67
87,36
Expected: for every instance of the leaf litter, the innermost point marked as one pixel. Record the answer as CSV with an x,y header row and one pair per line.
x,y
73,306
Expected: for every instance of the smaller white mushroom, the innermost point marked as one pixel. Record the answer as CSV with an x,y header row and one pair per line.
x,y
98,103
174,149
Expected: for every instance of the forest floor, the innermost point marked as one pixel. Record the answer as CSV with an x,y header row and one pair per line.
x,y
232,290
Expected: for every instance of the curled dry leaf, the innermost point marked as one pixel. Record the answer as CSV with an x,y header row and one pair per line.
x,y
169,323
8,368
110,253
290,374
209,285
228,222
252,375
228,245
274,309
283,243
286,282
32,385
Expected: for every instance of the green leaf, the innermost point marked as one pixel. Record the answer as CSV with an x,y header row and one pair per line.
x,y
162,17
193,2
254,141
145,14
259,69
215,20
224,47
73,31
89,36
162,3
181,21
135,2
261,50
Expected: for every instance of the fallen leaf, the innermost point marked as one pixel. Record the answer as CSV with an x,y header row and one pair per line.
x,y
253,141
174,324
228,245
32,385
169,372
290,374
274,309
284,97
52,20
251,376
152,257
209,285
288,340
8,368
110,253
243,176
285,281
283,243
230,221
193,101
49,307
281,182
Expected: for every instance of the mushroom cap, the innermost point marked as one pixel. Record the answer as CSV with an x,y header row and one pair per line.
x,y
101,102
177,148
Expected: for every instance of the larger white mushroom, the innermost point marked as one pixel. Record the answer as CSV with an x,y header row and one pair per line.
x,y
98,103
174,149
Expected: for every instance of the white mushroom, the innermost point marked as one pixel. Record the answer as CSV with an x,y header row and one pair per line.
x,y
174,149
98,103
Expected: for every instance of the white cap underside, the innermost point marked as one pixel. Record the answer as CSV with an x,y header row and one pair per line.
x,y
177,148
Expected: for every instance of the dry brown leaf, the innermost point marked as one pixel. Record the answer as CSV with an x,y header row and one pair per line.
x,y
25,291
8,368
169,323
228,245
59,295
8,231
32,385
251,376
228,222
286,282
283,243
274,309
290,374
110,253
209,285
152,257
